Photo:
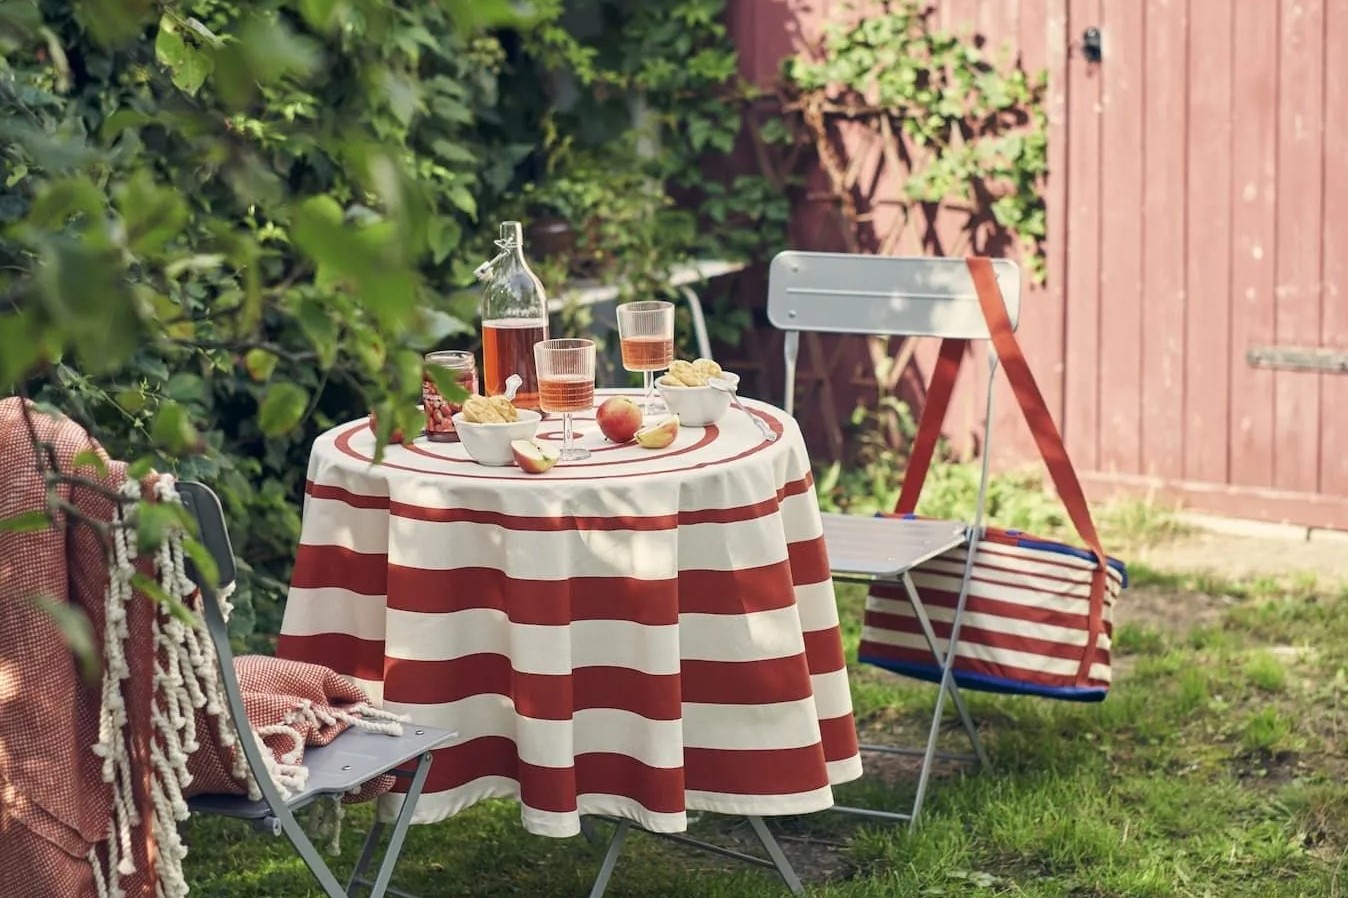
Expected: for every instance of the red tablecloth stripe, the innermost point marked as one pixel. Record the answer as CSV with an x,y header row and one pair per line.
x,y
746,682
772,771
320,566
554,789
342,652
553,523
567,522
839,735
540,696
558,696
743,591
809,561
337,494
824,650
776,771
542,602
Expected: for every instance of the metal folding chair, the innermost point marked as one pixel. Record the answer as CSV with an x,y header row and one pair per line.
x,y
352,759
887,296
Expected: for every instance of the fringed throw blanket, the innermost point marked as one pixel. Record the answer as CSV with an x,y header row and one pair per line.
x,y
94,770
291,705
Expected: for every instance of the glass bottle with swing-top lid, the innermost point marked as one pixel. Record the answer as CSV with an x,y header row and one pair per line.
x,y
514,318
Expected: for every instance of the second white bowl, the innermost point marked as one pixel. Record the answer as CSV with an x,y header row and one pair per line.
x,y
695,406
489,444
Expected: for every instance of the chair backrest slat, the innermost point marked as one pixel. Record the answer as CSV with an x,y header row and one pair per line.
x,y
844,293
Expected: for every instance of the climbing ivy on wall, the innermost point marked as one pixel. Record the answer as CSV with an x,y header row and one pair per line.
x,y
961,126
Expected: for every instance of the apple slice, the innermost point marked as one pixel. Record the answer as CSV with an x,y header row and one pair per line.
x,y
532,456
660,435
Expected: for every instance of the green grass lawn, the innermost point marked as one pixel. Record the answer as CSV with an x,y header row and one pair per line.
x,y
1215,769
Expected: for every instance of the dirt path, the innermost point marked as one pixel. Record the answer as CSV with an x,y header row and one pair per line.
x,y
1245,557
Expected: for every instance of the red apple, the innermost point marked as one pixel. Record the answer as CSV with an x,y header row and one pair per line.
x,y
532,456
619,419
658,436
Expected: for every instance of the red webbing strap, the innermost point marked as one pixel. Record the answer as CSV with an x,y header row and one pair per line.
x,y
1047,438
1046,435
929,427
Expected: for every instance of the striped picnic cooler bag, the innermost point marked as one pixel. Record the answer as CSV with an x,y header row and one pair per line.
x,y
1039,613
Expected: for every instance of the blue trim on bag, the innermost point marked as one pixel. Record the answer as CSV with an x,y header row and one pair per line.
x,y
1042,545
984,683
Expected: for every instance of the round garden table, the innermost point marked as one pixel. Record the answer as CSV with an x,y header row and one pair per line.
x,y
637,635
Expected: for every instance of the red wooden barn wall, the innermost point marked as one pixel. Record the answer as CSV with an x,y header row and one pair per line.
x,y
1196,211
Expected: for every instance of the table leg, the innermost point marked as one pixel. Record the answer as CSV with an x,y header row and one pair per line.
x,y
776,859
784,868
589,831
610,861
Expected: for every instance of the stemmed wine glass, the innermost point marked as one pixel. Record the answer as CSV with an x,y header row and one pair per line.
x,y
646,330
566,385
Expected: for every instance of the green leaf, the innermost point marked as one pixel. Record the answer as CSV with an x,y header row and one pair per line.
x,y
90,458
185,387
207,569
322,15
75,629
463,200
86,294
370,259
431,326
130,400
371,349
260,364
25,522
140,468
152,589
20,348
62,199
153,215
447,383
114,22
264,51
169,48
282,408
173,429
321,329
442,236
154,522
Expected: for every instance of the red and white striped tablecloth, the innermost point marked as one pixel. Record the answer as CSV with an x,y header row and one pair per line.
x,y
639,634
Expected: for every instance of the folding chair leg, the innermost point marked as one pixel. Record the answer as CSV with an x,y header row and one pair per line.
x,y
947,661
312,859
380,886
784,868
366,855
615,847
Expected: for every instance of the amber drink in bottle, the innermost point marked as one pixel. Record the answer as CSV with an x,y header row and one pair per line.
x,y
514,318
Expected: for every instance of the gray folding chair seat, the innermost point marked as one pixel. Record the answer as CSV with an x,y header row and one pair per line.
x,y
840,293
352,759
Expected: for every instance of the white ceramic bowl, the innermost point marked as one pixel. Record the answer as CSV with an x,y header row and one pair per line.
x,y
695,406
489,444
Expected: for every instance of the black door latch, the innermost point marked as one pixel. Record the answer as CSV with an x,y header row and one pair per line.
x,y
1090,44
